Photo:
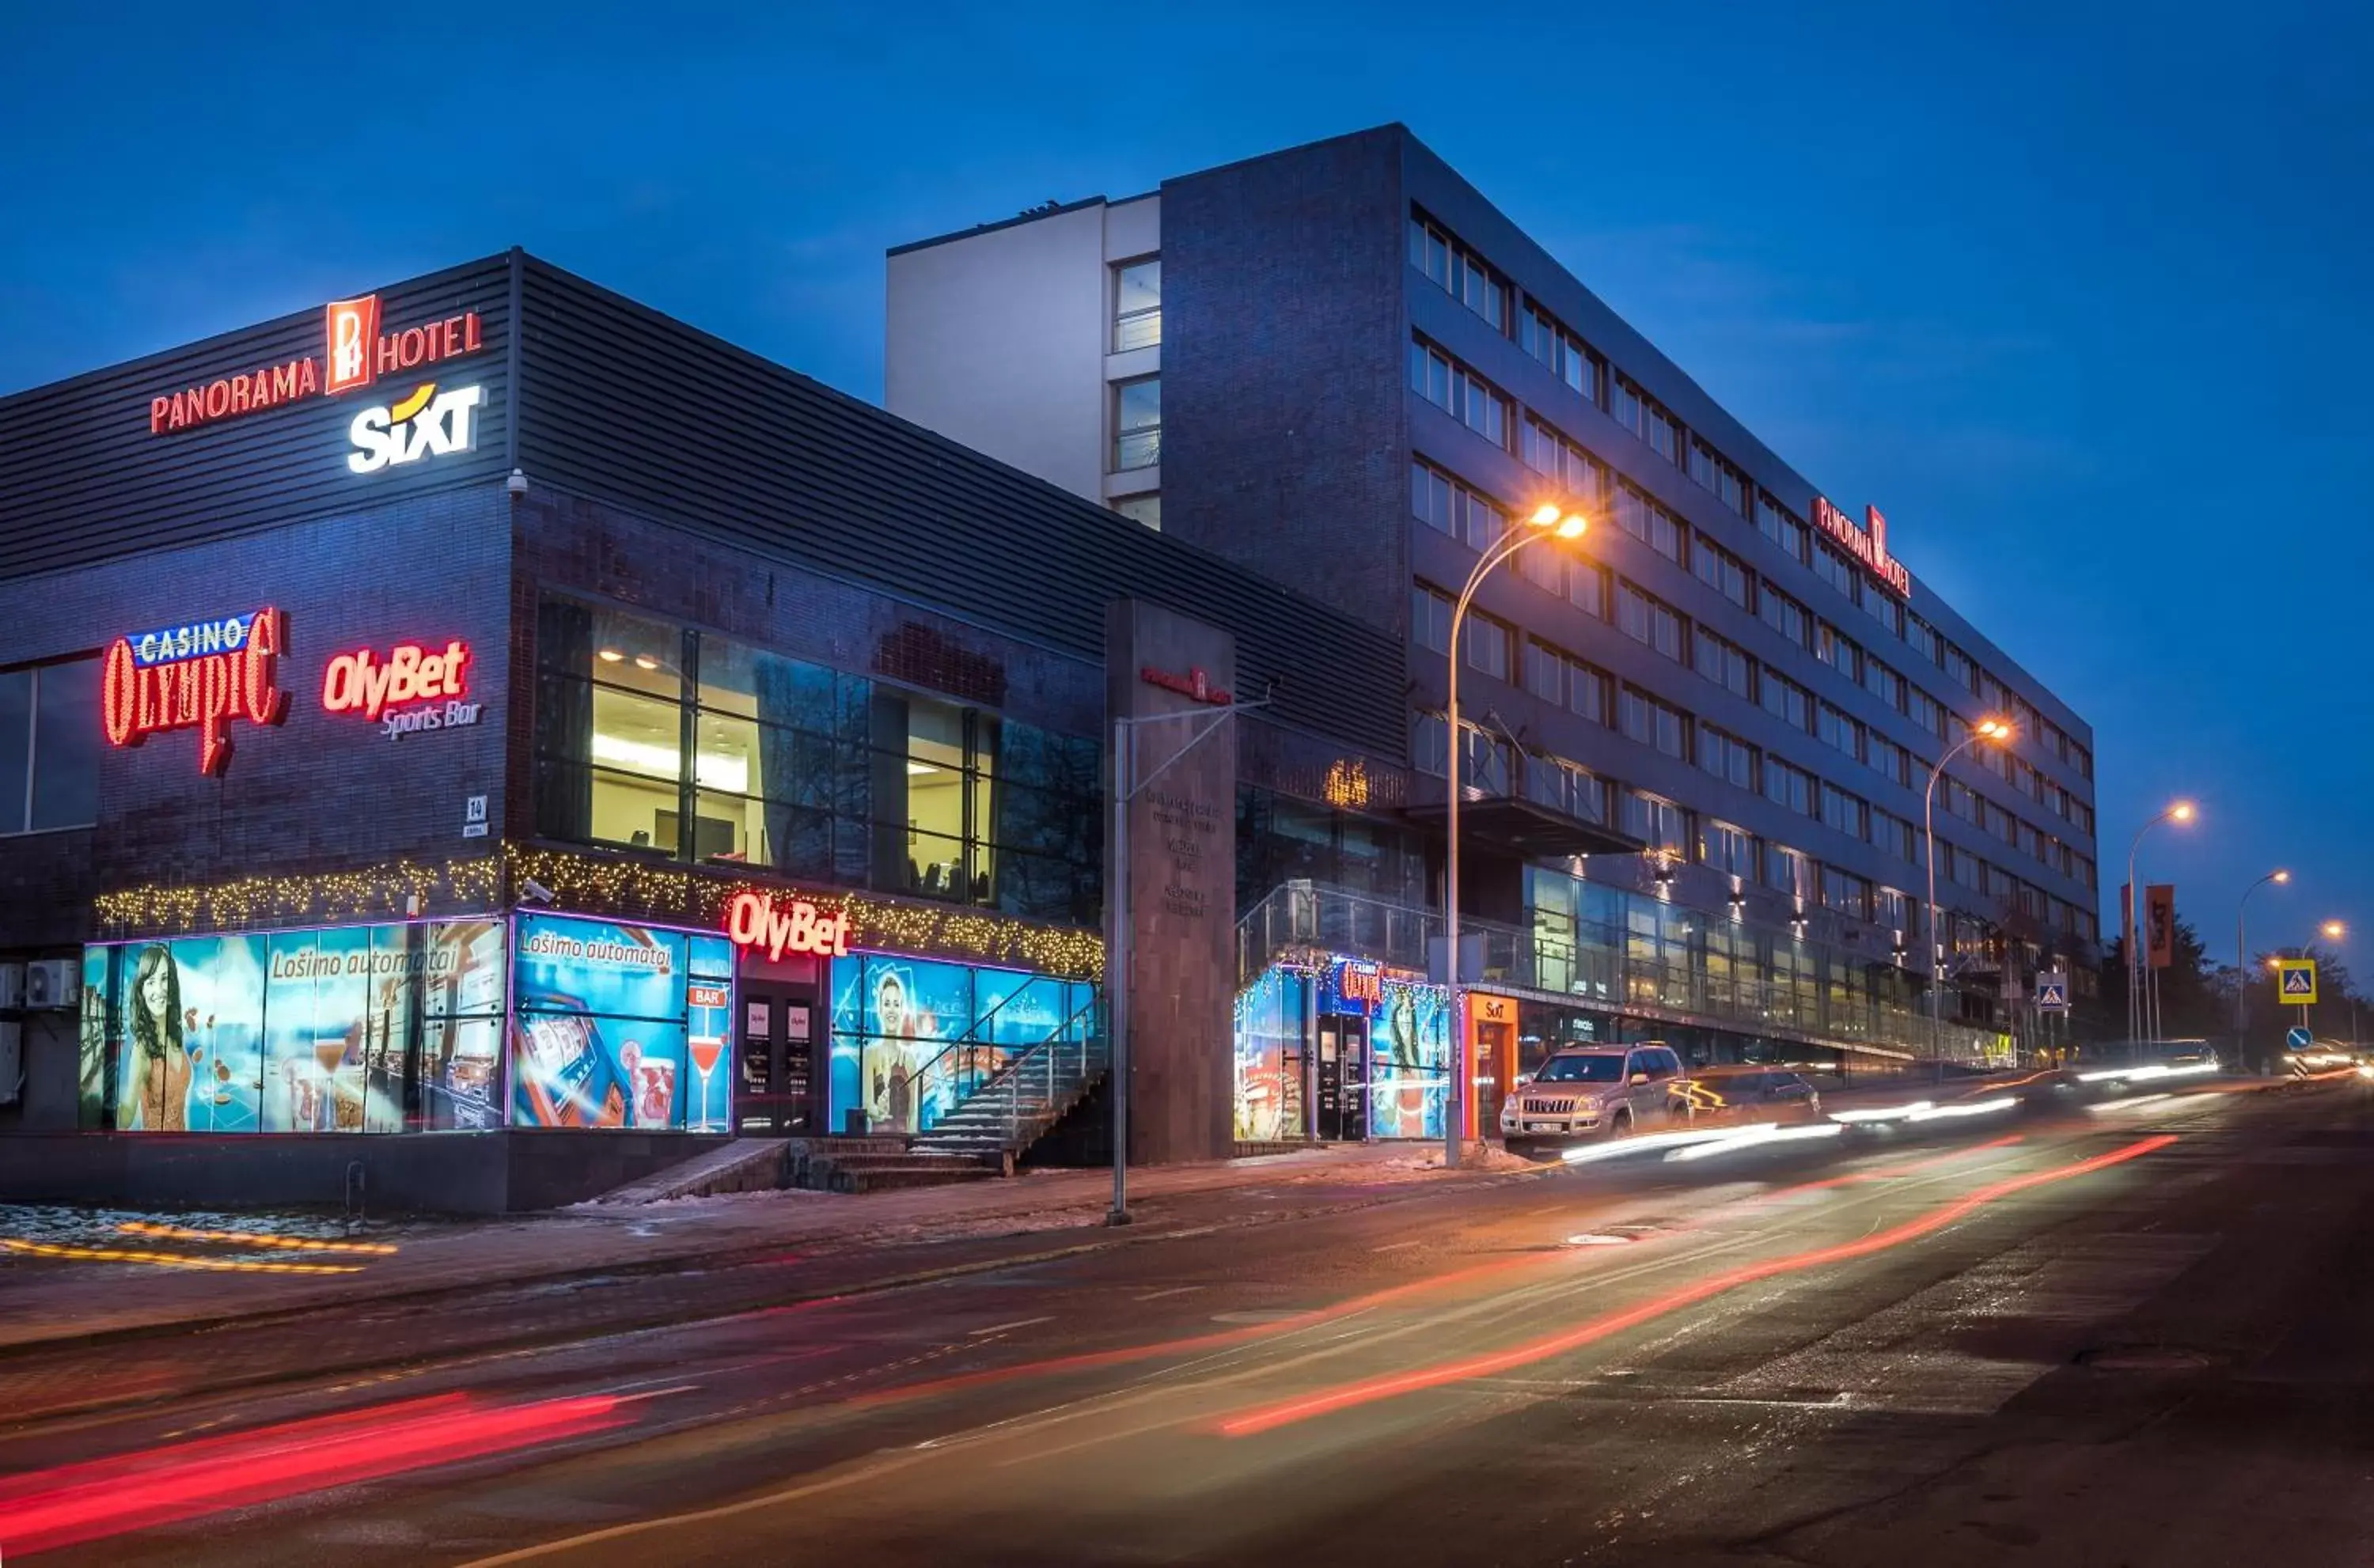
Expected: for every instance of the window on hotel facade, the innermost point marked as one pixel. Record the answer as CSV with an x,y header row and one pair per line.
x,y
1838,652
1646,618
1843,812
1552,455
1137,304
1652,524
1566,786
1430,743
49,746
1839,732
1846,893
1788,870
1544,670
1430,610
1489,768
1459,391
1961,670
1448,507
1926,711
1488,642
1656,821
1137,423
1785,784
1776,523
700,748
1835,568
1543,337
1653,724
1922,638
1725,848
1786,700
1586,587
1886,758
1707,467
1883,683
1726,755
1885,608
1894,835
1721,571
1724,662
1544,569
1784,615
1586,691
1459,271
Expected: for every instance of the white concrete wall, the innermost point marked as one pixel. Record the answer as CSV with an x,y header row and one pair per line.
x,y
997,340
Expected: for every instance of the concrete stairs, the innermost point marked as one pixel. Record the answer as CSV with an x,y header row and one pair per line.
x,y
883,1165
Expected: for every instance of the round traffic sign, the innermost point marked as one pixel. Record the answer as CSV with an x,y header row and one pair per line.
x,y
2298,1039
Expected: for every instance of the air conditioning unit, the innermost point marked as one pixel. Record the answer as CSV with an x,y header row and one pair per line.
x,y
53,982
12,1075
12,985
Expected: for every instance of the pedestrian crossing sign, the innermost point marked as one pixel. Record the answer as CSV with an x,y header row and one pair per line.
x,y
2295,981
2052,991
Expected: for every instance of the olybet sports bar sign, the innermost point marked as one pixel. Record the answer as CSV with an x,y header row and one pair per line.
x,y
200,676
355,354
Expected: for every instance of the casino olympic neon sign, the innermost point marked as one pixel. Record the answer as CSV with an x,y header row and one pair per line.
x,y
200,676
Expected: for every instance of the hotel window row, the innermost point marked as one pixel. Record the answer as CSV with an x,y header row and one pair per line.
x,y
1457,269
1493,766
1558,676
1456,509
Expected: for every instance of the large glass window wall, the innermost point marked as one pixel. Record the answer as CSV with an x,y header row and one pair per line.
x,y
700,748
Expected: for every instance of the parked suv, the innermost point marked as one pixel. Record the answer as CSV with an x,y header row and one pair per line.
x,y
1588,1094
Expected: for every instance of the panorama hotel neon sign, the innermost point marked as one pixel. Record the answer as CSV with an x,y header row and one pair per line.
x,y
1867,545
355,354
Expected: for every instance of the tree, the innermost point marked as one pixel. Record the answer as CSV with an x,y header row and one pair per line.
x,y
2193,1005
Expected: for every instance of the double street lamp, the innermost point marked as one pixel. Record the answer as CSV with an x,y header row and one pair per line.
x,y
2332,930
2178,811
2243,966
1548,522
1999,731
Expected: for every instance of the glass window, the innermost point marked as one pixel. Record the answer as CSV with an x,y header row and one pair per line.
x,y
1725,848
1842,812
1724,662
1586,587
1656,821
1647,619
1726,756
66,745
1137,423
1144,509
1652,723
1459,392
1430,743
1487,646
1778,524
1586,691
1785,784
1785,700
1720,570
15,748
1784,615
1137,304
1787,871
1544,670
1431,618
1459,271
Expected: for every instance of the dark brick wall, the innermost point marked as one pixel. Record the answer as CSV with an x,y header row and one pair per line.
x,y
1281,369
320,792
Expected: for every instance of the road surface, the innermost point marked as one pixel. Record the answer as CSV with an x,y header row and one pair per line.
x,y
2136,1333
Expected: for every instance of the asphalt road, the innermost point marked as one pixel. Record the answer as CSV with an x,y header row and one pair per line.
x,y
2130,1335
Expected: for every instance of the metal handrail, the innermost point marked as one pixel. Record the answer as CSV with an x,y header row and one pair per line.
x,y
972,1045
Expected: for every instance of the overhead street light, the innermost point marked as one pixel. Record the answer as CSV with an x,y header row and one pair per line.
x,y
1548,520
2242,964
1997,732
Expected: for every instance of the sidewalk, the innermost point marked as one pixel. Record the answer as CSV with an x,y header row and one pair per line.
x,y
48,1300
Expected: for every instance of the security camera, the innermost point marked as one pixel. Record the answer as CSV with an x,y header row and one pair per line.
x,y
535,892
517,483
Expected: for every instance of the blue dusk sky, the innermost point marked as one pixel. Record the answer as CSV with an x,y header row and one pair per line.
x,y
2074,293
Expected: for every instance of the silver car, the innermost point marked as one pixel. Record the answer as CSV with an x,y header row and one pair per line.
x,y
1589,1094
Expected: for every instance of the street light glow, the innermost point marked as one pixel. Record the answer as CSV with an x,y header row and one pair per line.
x,y
2283,876
1544,515
2181,812
2333,930
1995,728
1572,525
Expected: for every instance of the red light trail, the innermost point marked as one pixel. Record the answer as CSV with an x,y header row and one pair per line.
x,y
1369,1390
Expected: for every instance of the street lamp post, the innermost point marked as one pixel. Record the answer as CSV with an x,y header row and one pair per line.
x,y
1545,522
1993,729
2243,966
2176,811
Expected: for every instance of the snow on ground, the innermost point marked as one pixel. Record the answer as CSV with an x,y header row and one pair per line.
x,y
61,1225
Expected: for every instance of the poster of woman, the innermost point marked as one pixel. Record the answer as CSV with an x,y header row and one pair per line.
x,y
191,1058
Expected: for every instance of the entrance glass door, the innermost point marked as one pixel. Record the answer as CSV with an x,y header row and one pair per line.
x,y
775,1044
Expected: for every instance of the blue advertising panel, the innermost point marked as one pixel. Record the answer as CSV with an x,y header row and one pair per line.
x,y
318,985
599,1038
1409,1046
